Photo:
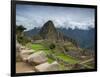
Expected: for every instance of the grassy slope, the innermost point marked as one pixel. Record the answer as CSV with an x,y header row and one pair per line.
x,y
62,56
67,58
37,47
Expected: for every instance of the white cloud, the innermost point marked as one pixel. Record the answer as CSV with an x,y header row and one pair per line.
x,y
67,17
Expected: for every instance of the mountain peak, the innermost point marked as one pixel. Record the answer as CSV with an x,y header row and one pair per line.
x,y
48,31
49,23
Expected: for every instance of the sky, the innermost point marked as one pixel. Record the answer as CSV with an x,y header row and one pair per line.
x,y
31,16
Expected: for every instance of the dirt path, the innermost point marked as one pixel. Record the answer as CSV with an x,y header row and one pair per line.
x,y
22,67
83,63
86,61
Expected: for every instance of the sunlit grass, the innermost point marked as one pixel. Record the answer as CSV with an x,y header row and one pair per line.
x,y
67,58
50,60
64,57
37,47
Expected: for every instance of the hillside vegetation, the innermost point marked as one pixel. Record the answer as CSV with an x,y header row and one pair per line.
x,y
52,47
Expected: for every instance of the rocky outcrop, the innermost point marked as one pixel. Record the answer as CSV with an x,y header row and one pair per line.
x,y
48,67
18,46
37,58
49,32
25,53
32,61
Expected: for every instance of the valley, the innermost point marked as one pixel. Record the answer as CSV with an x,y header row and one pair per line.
x,y
50,50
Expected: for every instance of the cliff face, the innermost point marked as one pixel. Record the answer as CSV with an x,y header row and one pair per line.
x,y
48,31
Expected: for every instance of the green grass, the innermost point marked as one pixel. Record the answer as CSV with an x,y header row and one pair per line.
x,y
67,58
62,56
50,60
47,51
37,47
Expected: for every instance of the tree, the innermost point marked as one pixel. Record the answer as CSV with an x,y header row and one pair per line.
x,y
20,35
52,46
20,29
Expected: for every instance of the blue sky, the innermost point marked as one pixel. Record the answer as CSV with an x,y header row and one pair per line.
x,y
31,16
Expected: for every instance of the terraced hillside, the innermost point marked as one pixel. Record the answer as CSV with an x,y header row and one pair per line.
x,y
50,50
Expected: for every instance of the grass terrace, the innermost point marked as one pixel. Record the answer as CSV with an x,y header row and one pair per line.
x,y
67,58
61,56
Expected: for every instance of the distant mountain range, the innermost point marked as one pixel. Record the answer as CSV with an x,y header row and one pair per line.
x,y
84,38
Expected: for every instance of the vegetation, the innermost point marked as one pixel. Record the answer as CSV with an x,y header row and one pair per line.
x,y
67,58
20,29
61,56
52,46
36,37
50,60
21,38
56,46
37,47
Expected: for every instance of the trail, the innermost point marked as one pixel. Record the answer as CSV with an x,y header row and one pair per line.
x,y
24,67
87,61
83,63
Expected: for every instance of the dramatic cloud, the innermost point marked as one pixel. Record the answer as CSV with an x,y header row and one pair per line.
x,y
31,16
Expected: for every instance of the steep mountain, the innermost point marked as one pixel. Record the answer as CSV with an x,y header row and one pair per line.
x,y
48,31
85,38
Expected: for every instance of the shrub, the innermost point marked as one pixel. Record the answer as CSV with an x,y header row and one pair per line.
x,y
52,46
23,40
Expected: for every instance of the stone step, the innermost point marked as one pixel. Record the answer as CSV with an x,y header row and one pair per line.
x,y
25,53
48,67
37,58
